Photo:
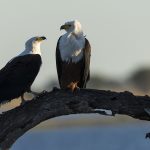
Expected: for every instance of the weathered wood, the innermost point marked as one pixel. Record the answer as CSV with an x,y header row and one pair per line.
x,y
16,122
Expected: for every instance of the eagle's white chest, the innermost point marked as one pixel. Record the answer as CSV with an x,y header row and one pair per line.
x,y
71,48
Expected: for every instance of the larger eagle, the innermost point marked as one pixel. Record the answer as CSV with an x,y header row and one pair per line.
x,y
17,76
73,53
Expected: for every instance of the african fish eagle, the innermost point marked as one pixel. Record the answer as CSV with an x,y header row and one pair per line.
x,y
73,53
17,76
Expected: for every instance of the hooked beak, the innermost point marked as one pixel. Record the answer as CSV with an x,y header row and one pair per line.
x,y
40,38
43,37
65,27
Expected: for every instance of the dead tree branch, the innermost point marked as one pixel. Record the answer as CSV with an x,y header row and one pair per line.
x,y
16,122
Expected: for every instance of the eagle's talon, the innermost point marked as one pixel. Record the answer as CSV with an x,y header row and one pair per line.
x,y
73,86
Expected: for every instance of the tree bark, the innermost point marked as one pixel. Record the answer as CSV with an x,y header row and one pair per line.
x,y
16,122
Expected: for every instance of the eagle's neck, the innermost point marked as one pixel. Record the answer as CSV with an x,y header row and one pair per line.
x,y
71,47
35,49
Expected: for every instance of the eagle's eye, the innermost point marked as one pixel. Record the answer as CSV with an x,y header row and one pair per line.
x,y
37,39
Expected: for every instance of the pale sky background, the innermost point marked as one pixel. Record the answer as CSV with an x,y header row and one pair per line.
x,y
119,32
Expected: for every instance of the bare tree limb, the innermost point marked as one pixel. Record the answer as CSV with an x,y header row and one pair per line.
x,y
16,122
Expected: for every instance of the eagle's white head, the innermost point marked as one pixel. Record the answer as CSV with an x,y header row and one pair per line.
x,y
73,27
33,45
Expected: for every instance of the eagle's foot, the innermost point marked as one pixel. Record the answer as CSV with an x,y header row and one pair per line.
x,y
73,86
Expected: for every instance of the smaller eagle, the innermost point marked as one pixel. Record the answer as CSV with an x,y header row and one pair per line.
x,y
73,53
19,73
